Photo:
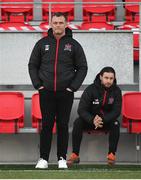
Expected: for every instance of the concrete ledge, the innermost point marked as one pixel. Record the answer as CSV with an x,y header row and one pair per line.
x,y
34,130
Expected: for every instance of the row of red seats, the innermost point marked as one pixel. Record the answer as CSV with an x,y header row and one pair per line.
x,y
91,12
24,12
12,112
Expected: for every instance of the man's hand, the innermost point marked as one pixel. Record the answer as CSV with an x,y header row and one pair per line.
x,y
97,121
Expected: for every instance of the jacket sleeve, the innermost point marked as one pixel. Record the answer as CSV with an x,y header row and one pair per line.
x,y
85,105
116,110
34,65
80,64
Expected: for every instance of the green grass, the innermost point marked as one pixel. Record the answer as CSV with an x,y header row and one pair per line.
x,y
76,172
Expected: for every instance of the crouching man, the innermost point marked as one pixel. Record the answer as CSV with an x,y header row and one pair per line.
x,y
99,108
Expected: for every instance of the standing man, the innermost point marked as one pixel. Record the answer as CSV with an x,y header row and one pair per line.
x,y
57,68
99,108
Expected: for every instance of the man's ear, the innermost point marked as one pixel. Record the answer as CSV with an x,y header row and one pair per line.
x,y
100,77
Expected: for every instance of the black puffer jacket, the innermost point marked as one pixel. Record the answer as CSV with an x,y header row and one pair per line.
x,y
57,64
98,100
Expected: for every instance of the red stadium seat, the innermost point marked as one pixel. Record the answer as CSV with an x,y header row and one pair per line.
x,y
133,26
36,114
131,112
96,26
132,11
11,112
68,9
17,12
98,12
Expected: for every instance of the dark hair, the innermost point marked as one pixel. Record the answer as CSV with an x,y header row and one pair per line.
x,y
59,14
107,69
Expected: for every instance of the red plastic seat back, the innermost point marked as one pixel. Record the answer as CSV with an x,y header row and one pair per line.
x,y
132,11
17,12
64,8
133,7
100,4
132,105
98,12
131,111
11,112
36,113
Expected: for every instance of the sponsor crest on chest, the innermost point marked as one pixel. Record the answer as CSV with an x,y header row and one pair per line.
x,y
68,47
111,100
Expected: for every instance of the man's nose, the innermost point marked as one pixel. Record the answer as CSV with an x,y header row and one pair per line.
x,y
109,81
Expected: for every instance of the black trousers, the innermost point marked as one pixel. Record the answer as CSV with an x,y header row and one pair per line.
x,y
80,126
55,104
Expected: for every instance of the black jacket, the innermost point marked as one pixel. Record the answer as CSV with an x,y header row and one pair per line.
x,y
57,64
98,100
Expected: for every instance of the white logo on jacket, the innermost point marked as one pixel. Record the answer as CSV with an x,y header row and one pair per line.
x,y
47,47
96,101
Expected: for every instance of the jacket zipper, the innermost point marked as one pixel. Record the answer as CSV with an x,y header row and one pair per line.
x,y
104,100
55,65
